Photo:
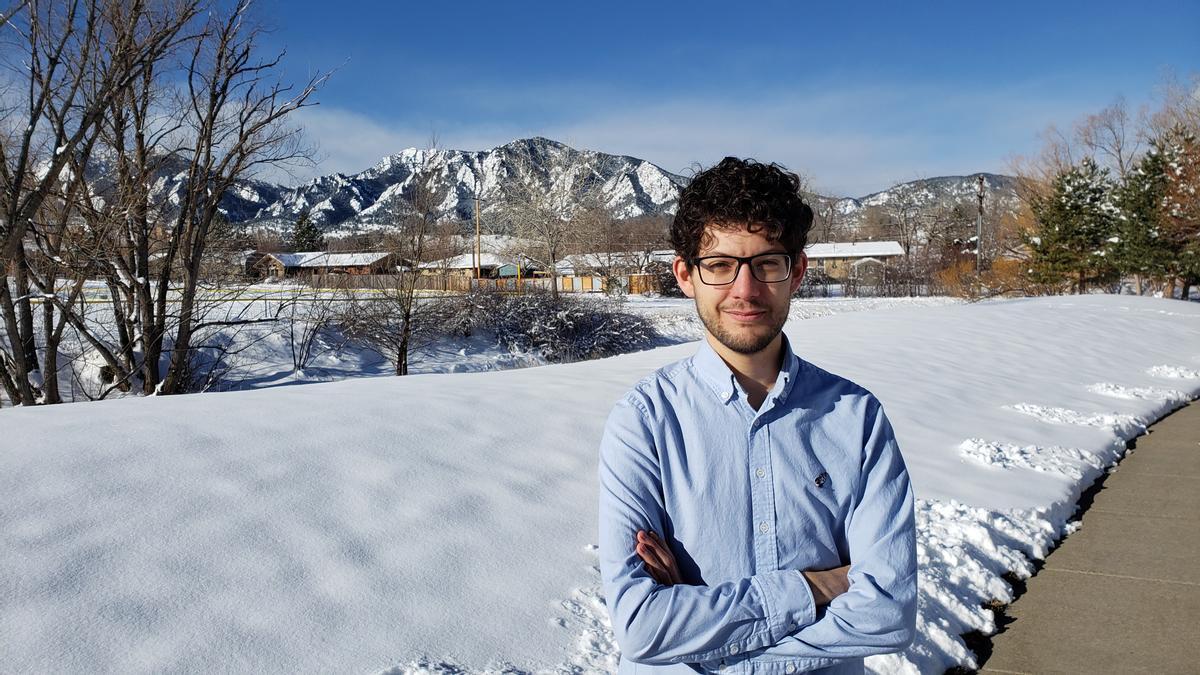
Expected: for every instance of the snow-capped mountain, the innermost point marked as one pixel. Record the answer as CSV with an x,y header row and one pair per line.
x,y
999,192
342,204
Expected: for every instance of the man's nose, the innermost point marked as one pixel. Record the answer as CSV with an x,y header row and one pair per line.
x,y
744,284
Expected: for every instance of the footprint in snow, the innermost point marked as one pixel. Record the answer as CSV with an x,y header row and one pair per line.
x,y
1053,459
1138,393
1174,372
1124,426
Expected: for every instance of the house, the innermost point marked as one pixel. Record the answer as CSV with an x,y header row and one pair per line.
x,y
612,264
864,260
284,265
491,266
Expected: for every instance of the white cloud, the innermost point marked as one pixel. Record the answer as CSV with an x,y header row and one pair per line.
x,y
848,141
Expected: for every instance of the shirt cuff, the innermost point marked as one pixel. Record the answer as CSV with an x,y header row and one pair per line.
x,y
788,600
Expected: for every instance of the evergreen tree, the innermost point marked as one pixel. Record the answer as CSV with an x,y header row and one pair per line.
x,y
306,236
1075,220
1142,248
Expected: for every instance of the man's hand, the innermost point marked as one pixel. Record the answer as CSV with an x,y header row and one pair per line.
x,y
660,562
828,584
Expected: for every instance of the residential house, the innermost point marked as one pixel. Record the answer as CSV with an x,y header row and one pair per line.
x,y
862,260
319,263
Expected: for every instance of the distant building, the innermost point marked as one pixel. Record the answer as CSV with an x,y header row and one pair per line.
x,y
283,265
491,266
852,260
612,264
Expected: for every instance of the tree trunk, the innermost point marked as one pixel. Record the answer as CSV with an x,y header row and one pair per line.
x,y
179,367
16,371
25,310
402,358
1137,282
50,376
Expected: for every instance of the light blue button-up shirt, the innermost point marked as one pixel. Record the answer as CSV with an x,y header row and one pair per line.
x,y
746,500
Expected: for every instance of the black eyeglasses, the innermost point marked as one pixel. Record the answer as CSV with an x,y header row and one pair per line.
x,y
722,270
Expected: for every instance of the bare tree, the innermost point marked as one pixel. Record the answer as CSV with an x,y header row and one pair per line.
x,y
307,316
1180,105
546,200
237,119
396,320
1111,137
77,58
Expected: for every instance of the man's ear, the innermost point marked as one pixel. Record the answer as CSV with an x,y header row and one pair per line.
x,y
798,269
683,275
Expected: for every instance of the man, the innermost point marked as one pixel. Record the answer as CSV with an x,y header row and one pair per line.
x,y
755,513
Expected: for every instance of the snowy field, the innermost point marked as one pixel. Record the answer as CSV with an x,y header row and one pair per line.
x,y
445,523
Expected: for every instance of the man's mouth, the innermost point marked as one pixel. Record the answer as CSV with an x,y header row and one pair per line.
x,y
746,313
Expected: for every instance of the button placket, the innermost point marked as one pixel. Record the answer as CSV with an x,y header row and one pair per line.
x,y
762,513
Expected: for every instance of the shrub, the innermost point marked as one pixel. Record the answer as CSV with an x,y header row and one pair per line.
x,y
560,329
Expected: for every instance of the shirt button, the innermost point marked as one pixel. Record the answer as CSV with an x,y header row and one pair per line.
x,y
734,649
760,472
791,668
763,527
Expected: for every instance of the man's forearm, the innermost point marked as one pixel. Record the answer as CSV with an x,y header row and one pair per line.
x,y
660,624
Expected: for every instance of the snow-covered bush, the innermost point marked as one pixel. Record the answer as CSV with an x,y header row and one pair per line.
x,y
566,328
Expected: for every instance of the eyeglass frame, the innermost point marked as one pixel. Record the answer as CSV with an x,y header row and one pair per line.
x,y
695,262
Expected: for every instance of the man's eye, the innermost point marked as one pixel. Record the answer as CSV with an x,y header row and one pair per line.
x,y
769,265
720,265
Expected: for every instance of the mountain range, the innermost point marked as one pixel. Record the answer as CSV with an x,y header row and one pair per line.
x,y
343,204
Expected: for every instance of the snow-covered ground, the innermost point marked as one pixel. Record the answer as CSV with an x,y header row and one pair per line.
x,y
446,522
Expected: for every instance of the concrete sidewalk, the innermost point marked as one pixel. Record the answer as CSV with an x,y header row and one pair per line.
x,y
1121,595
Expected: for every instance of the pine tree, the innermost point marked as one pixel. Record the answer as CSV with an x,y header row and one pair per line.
x,y
1075,220
306,236
1141,248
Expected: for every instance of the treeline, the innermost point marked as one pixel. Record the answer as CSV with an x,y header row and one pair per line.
x,y
1115,204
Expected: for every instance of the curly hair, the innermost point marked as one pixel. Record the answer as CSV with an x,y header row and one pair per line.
x,y
741,194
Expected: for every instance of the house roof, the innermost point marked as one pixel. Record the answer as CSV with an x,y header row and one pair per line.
x,y
322,259
467,262
859,249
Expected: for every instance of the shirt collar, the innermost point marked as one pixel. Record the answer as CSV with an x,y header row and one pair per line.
x,y
716,373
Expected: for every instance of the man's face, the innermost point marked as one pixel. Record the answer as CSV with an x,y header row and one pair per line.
x,y
748,314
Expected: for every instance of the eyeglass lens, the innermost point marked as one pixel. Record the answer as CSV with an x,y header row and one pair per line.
x,y
767,268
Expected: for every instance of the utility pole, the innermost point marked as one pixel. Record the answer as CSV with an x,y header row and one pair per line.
x,y
477,251
979,229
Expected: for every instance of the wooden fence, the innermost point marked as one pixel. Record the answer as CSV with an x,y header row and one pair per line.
x,y
633,283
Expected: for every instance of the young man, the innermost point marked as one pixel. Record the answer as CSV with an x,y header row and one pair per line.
x,y
755,513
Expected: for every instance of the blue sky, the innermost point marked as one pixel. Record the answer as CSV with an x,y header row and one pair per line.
x,y
856,97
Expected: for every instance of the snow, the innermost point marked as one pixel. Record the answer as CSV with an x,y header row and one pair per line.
x,y
322,259
446,523
853,249
467,261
